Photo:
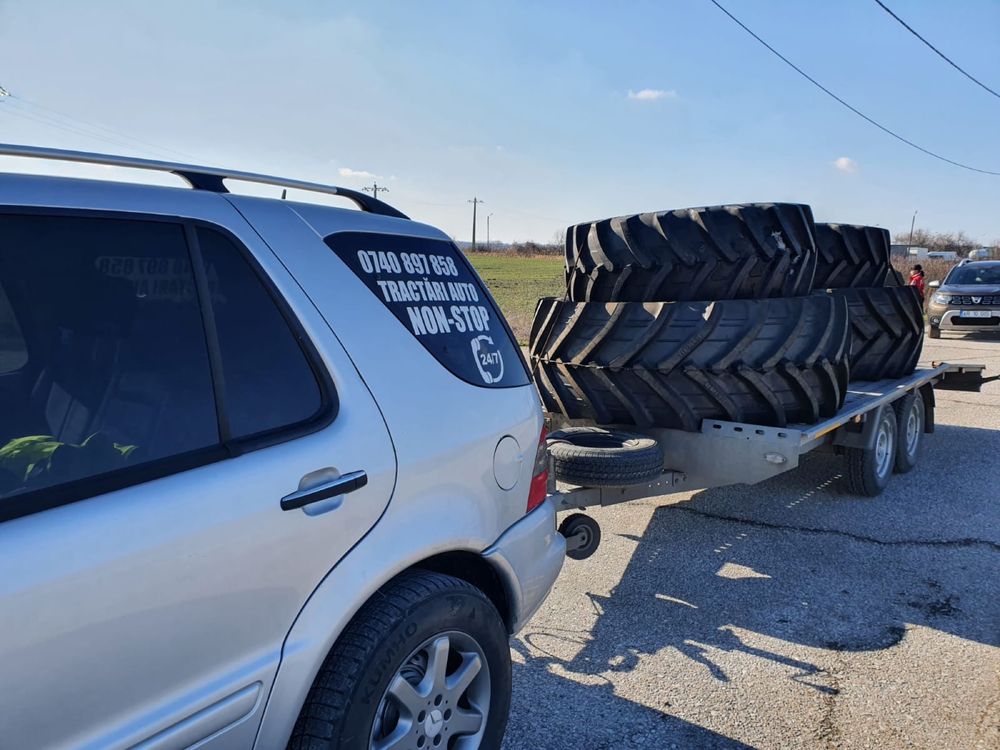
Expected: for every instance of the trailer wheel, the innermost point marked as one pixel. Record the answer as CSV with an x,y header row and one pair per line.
x,y
583,535
910,413
869,469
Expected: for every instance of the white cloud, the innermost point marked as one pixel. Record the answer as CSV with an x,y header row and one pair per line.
x,y
348,172
846,164
651,95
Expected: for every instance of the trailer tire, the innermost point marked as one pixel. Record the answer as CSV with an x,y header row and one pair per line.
x,y
718,252
851,256
869,469
887,331
673,365
594,457
911,419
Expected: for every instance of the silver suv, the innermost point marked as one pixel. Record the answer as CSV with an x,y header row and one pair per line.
x,y
270,473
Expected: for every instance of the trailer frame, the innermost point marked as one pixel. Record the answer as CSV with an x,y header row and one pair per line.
x,y
724,453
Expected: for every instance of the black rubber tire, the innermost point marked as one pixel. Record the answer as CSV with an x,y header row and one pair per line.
x,y
907,458
574,523
851,256
933,332
865,476
340,708
887,331
717,252
594,457
771,362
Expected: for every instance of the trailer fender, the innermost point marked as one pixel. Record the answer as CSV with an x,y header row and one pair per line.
x,y
930,401
859,434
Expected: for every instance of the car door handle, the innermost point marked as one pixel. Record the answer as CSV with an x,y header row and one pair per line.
x,y
353,480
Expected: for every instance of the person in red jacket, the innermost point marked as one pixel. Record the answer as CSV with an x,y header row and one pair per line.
x,y
917,280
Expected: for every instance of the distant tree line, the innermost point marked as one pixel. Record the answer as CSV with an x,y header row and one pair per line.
x,y
528,247
959,242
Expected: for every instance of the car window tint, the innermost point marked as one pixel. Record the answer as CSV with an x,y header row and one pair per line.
x,y
13,353
119,371
972,274
269,383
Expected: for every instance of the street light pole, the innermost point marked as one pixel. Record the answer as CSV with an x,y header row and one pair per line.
x,y
488,232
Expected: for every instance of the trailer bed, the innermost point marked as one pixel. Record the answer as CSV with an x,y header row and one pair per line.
x,y
725,453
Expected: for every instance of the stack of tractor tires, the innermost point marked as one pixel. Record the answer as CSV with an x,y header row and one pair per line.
x,y
887,322
675,317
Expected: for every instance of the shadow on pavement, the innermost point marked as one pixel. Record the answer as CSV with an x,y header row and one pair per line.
x,y
796,560
567,713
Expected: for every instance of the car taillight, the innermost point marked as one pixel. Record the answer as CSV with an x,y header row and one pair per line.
x,y
539,475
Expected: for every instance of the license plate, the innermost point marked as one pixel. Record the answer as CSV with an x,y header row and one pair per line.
x,y
976,314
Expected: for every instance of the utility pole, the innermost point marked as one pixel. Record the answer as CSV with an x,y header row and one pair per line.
x,y
488,232
909,242
374,190
475,202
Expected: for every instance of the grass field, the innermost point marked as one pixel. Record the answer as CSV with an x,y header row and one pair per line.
x,y
517,282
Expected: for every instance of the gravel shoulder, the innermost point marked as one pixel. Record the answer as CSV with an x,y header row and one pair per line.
x,y
787,614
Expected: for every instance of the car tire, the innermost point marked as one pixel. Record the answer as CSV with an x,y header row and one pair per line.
x,y
381,674
672,365
887,331
849,256
869,469
718,252
594,457
911,419
933,332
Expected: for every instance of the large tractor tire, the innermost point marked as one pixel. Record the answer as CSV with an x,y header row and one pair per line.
x,y
887,331
771,362
851,256
720,252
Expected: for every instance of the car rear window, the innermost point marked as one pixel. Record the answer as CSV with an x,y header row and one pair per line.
x,y
432,290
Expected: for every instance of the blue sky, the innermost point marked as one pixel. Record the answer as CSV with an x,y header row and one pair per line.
x,y
528,106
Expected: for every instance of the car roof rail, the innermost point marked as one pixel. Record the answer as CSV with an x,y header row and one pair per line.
x,y
210,179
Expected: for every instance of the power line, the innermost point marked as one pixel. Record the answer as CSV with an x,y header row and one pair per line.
x,y
940,54
853,109
56,119
33,118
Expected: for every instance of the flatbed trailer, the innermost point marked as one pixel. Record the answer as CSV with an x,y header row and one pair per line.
x,y
724,453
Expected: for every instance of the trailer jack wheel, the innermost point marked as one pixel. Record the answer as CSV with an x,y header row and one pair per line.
x,y
583,535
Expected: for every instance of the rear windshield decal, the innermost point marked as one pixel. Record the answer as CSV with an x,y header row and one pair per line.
x,y
433,292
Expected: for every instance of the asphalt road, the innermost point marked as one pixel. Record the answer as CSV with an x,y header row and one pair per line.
x,y
788,614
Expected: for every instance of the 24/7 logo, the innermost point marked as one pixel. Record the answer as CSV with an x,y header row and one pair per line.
x,y
489,361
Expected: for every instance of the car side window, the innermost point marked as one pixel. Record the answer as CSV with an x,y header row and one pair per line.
x,y
13,352
268,381
118,374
